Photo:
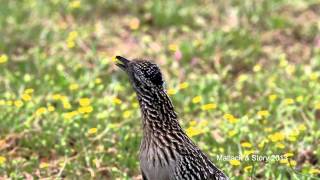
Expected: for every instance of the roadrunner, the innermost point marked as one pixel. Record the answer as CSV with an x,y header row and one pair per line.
x,y
166,152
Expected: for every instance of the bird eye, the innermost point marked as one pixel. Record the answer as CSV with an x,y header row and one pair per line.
x,y
154,75
156,78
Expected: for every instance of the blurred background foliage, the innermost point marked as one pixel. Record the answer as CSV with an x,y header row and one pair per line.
x,y
243,76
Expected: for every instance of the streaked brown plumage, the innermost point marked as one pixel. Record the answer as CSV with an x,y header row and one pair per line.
x,y
166,152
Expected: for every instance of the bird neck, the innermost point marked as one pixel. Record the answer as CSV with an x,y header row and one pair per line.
x,y
157,110
160,121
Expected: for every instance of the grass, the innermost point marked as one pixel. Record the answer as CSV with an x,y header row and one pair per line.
x,y
243,76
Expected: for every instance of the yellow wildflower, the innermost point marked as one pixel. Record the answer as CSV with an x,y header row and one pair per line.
x,y
302,127
61,164
295,132
230,118
85,109
243,78
299,99
84,102
248,152
18,103
64,98
3,58
66,105
135,105
98,80
272,97
92,131
134,24
280,145
173,47
289,101
73,86
73,35
262,143
2,102
44,165
172,91
288,162
193,131
196,99
209,106
290,69
71,39
247,168
293,135
283,60
27,77
292,163
278,136
314,76
26,97
268,129
271,82
221,149
74,4
51,108
70,115
203,123
234,162
56,96
2,160
263,113
257,68
28,91
246,145
71,44
284,161
183,85
288,155
311,171
41,111
96,162
292,138
232,133
318,105
116,100
193,123
127,114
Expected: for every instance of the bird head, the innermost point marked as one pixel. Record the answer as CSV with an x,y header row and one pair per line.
x,y
142,74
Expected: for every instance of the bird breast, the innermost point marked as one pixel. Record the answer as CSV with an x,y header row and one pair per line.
x,y
155,163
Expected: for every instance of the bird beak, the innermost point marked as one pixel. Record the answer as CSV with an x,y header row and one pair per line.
x,y
122,62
